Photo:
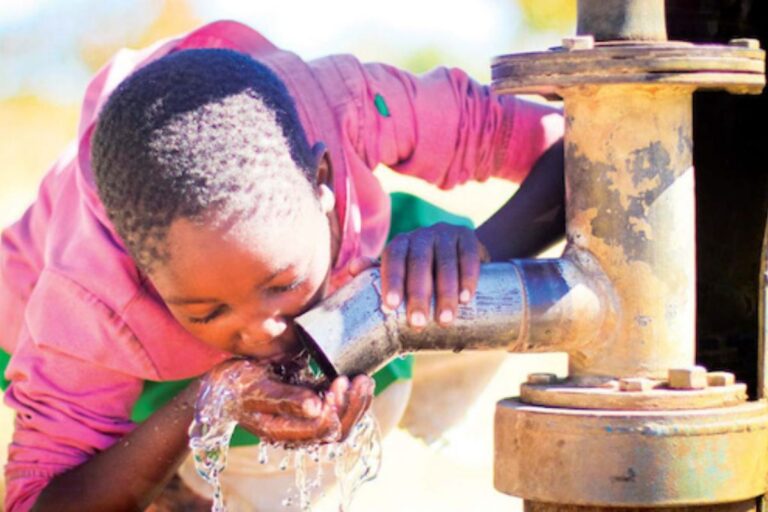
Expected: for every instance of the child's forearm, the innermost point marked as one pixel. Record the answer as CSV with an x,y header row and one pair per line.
x,y
131,473
534,217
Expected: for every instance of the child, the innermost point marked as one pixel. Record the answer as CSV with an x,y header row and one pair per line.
x,y
210,200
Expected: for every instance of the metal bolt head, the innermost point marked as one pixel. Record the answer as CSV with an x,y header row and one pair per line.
x,y
578,43
542,378
636,384
719,379
694,377
745,42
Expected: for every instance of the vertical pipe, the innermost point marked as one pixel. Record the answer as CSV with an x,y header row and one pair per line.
x,y
622,20
630,202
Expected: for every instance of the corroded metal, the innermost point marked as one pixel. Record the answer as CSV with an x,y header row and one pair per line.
x,y
622,20
630,203
631,458
735,68
624,431
525,305
611,395
740,506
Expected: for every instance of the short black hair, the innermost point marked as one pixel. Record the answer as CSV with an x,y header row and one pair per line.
x,y
195,133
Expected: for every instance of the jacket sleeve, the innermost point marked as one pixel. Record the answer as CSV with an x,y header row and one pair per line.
x,y
447,129
71,396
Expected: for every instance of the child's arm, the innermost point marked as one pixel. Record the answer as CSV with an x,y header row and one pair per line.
x,y
534,217
132,472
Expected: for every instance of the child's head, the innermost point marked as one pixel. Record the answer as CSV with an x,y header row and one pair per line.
x,y
205,171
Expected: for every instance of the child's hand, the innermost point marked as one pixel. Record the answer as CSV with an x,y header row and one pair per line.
x,y
443,260
293,413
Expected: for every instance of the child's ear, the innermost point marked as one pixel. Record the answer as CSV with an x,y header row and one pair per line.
x,y
324,169
324,177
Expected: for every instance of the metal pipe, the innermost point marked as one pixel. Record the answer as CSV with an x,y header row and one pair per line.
x,y
630,204
622,20
525,305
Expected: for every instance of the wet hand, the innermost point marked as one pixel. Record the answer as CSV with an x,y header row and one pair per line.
x,y
350,400
442,260
270,408
278,411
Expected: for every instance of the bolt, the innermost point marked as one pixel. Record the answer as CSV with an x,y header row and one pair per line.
x,y
745,42
721,379
636,384
578,43
694,377
542,378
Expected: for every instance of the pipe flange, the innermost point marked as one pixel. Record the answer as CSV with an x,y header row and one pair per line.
x,y
631,458
680,392
737,68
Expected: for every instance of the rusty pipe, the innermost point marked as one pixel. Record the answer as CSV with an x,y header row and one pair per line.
x,y
622,20
523,305
630,204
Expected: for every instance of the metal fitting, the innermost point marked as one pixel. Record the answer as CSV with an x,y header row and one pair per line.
x,y
694,377
636,384
578,43
541,378
719,379
745,42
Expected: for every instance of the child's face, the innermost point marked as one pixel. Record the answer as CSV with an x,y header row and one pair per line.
x,y
238,293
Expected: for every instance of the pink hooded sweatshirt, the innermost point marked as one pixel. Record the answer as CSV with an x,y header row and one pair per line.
x,y
86,328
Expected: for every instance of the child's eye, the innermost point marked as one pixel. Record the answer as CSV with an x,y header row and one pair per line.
x,y
209,317
284,288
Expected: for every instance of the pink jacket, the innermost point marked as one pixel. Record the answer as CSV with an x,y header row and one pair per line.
x,y
86,328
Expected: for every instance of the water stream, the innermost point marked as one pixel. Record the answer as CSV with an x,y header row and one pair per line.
x,y
354,461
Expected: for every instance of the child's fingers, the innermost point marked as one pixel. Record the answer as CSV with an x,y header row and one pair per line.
x,y
276,428
418,281
272,397
470,251
446,279
337,395
359,399
393,265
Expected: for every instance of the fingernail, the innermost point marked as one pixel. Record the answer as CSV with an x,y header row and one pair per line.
x,y
312,408
464,296
418,319
393,299
446,316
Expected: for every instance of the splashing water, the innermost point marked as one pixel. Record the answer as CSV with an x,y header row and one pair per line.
x,y
355,460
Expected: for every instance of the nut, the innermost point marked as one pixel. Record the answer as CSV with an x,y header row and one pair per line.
x,y
721,379
694,377
578,43
636,384
542,378
745,42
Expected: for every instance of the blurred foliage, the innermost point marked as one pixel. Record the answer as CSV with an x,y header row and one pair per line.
x,y
175,17
424,59
555,15
33,131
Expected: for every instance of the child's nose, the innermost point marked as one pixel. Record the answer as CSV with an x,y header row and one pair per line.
x,y
274,326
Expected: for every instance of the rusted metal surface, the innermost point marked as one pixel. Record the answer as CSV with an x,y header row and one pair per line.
x,y
525,305
629,203
640,425
734,67
621,20
637,394
741,506
631,458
